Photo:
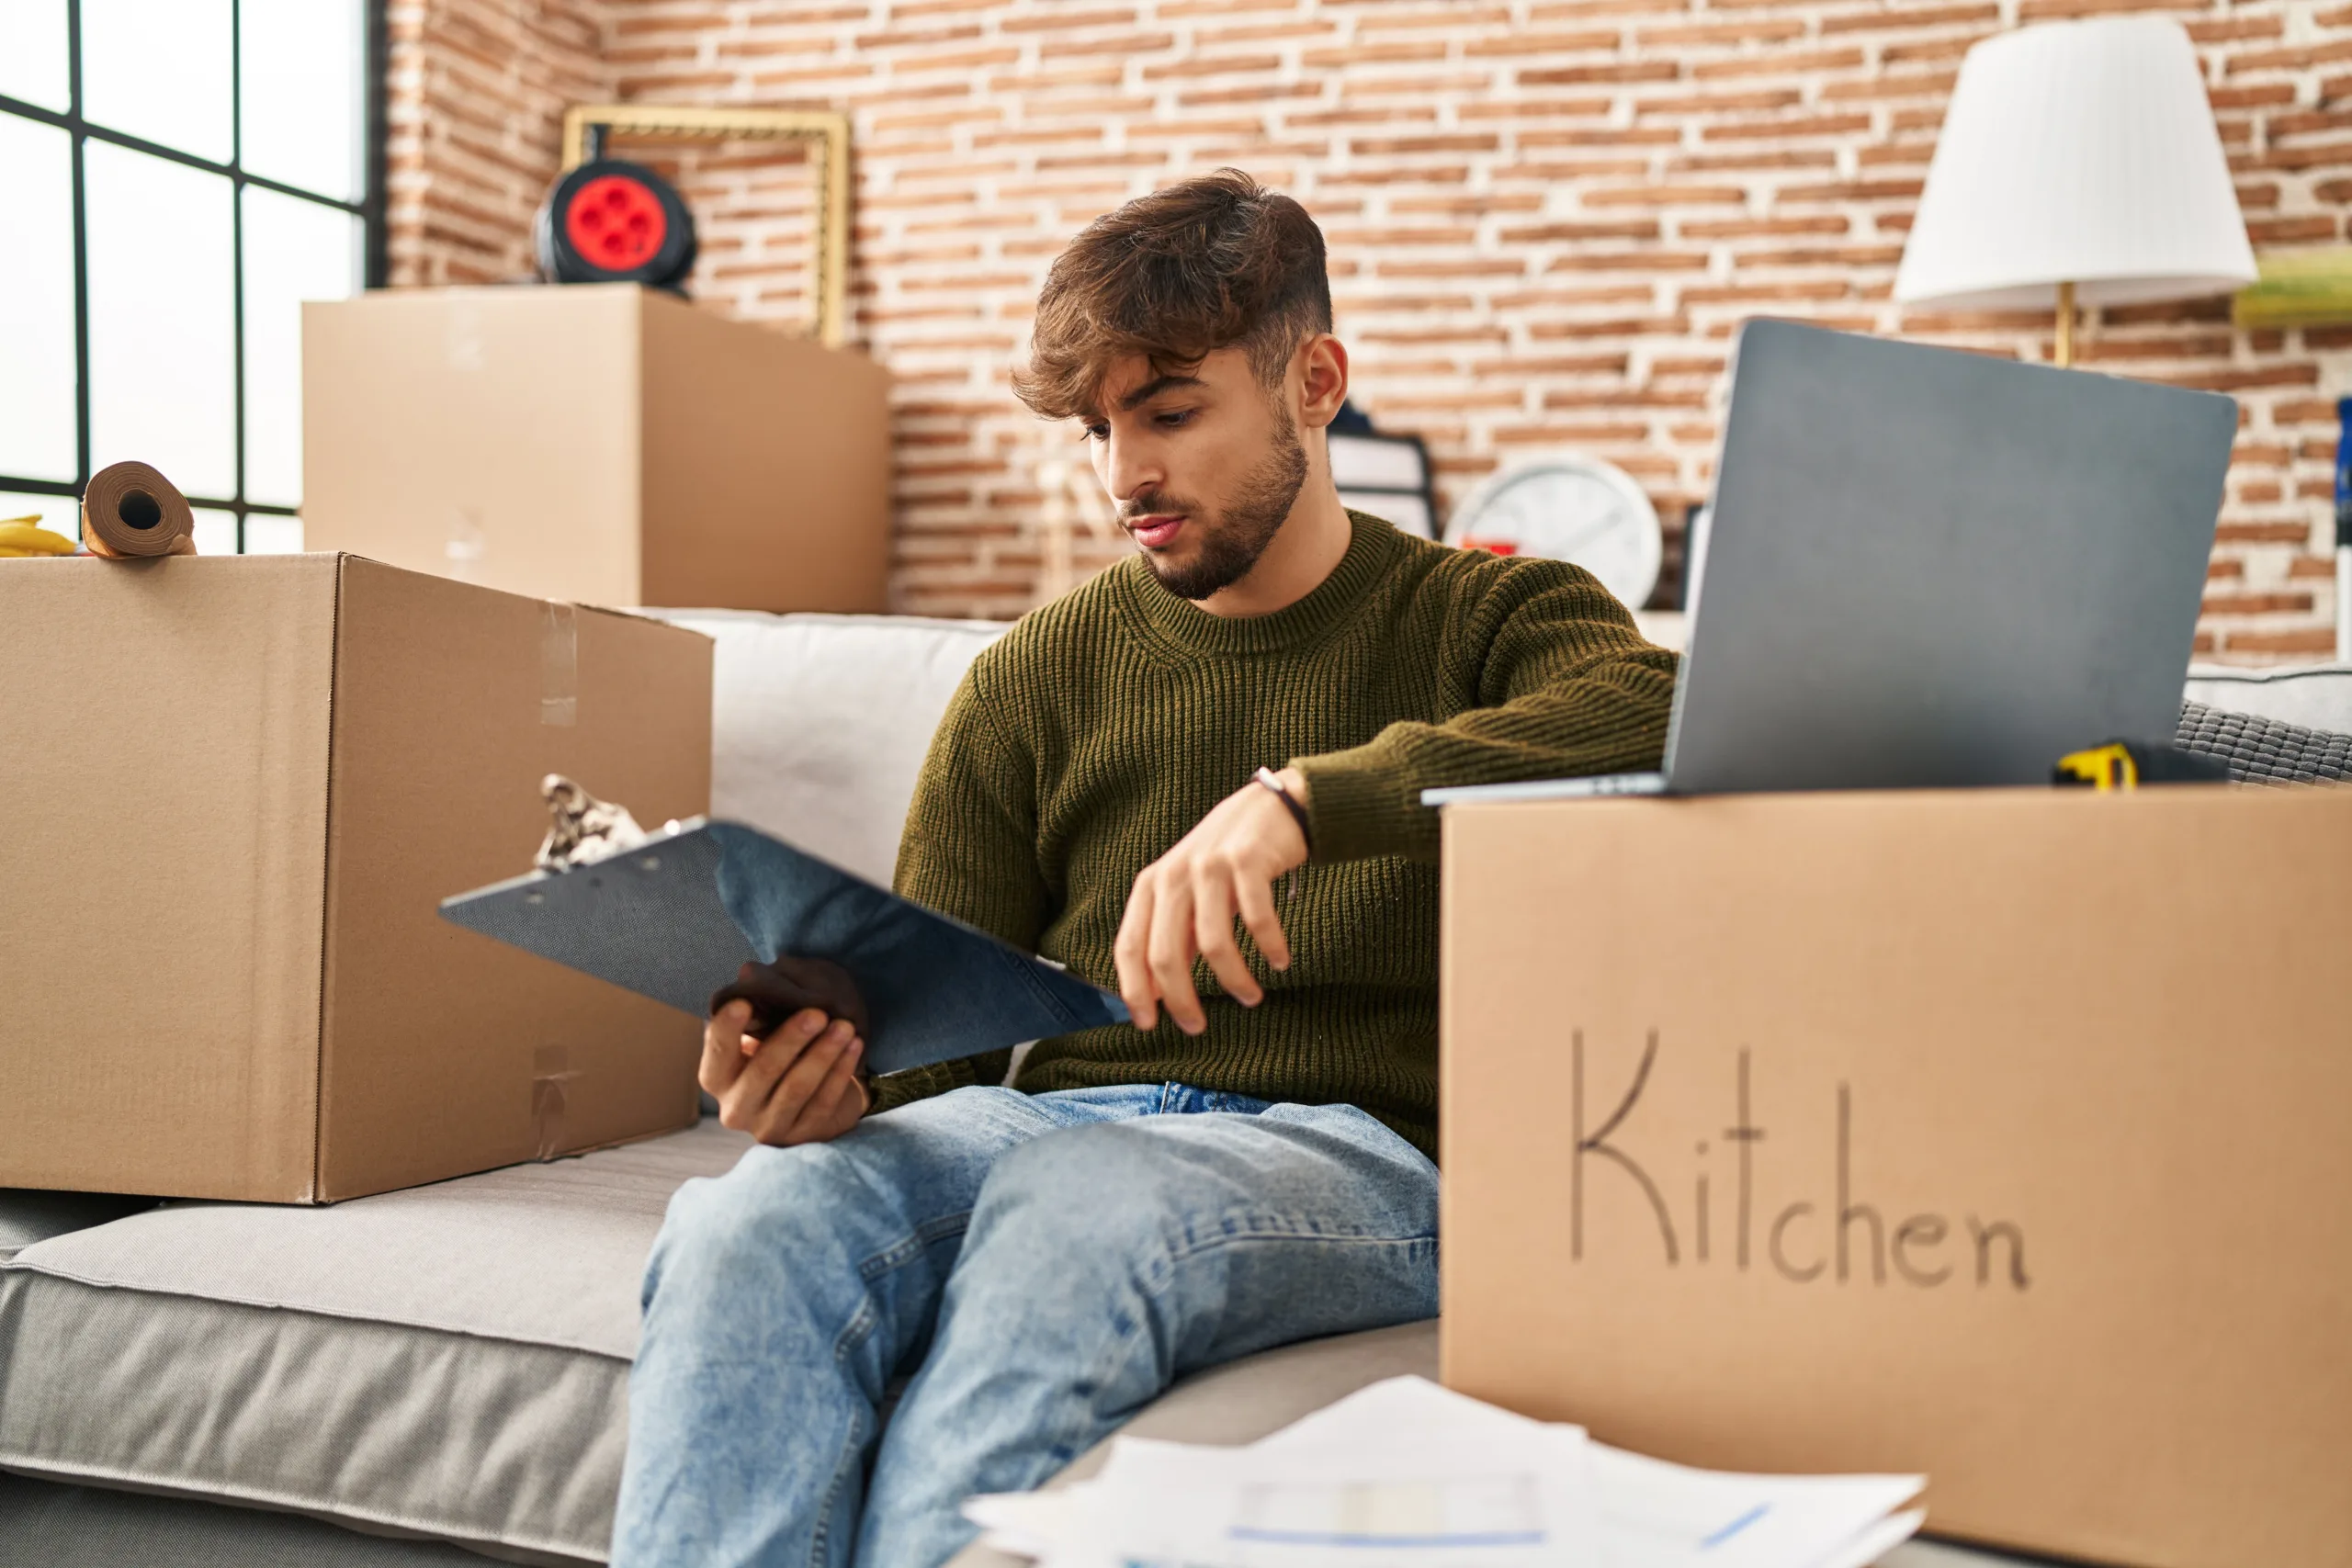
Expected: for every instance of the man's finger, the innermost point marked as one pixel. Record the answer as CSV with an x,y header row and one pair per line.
x,y
1169,949
1213,934
722,1057
801,1080
1134,965
837,1103
1256,900
768,1064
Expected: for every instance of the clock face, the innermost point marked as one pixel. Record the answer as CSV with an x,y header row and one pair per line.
x,y
1572,509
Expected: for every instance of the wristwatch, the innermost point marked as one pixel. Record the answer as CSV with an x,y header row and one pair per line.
x,y
1273,780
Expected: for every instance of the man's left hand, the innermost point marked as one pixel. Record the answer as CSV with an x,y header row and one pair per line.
x,y
1183,905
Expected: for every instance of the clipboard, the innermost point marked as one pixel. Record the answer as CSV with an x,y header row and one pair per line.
x,y
676,917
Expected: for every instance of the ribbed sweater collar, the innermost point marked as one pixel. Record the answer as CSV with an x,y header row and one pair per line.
x,y
1372,546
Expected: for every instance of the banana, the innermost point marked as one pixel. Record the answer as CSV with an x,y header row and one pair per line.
x,y
25,536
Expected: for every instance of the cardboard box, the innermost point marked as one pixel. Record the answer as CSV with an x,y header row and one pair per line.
x,y
599,442
1997,1135
238,788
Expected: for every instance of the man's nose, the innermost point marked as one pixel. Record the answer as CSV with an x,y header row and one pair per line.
x,y
1129,468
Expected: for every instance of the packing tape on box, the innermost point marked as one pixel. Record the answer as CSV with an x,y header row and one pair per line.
x,y
552,1074
130,511
558,666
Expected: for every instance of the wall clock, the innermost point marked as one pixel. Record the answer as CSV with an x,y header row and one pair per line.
x,y
1571,508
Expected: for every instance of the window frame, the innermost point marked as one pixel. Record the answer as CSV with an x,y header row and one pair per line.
x,y
370,209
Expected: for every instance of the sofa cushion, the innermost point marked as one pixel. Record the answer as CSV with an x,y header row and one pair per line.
x,y
449,1361
27,1215
2317,697
820,723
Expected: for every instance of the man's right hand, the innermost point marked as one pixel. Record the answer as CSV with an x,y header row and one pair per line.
x,y
801,1085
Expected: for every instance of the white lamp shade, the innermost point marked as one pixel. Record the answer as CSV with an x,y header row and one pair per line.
x,y
2077,152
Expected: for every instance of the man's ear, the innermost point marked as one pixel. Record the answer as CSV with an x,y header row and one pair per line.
x,y
1323,382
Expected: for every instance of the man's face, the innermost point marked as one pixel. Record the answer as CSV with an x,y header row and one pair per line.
x,y
1203,466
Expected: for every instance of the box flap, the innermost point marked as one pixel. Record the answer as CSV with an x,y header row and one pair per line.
x,y
445,1052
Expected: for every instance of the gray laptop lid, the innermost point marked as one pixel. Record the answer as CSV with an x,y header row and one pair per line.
x,y
1929,568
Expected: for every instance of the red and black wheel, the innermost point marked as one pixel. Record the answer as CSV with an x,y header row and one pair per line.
x,y
613,221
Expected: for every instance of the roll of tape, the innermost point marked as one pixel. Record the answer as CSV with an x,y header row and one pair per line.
x,y
130,510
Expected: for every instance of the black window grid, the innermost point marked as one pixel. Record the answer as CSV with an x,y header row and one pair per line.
x,y
368,208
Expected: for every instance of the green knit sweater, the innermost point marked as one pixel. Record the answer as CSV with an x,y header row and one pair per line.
x,y
1096,732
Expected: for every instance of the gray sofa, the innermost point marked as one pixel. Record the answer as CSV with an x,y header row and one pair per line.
x,y
437,1375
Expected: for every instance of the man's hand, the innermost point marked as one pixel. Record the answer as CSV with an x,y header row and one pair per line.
x,y
800,1085
1183,905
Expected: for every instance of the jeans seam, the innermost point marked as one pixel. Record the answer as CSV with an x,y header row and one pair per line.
x,y
1196,1246
862,1324
853,1453
914,1245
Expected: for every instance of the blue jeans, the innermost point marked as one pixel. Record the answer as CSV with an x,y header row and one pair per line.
x,y
1044,1264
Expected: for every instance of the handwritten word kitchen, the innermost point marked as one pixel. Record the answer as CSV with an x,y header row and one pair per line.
x,y
1837,1238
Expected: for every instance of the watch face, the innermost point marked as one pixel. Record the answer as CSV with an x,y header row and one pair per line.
x,y
1576,510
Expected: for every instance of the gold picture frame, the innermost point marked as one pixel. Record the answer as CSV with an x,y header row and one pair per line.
x,y
680,123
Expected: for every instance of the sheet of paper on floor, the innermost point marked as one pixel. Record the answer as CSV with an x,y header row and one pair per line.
x,y
1406,1474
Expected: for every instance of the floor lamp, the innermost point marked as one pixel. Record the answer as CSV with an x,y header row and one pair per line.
x,y
2078,165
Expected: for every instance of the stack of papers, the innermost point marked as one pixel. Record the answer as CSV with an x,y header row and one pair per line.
x,y
1406,1474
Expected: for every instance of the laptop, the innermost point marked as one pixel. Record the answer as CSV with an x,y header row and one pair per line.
x,y
1925,569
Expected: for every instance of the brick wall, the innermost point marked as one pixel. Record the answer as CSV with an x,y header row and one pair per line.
x,y
474,110
1545,215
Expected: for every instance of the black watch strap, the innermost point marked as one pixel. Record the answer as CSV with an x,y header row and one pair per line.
x,y
1273,780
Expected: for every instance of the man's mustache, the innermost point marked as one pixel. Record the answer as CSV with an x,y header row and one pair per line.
x,y
1153,503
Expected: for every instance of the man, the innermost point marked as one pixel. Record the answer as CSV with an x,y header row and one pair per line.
x,y
1249,1163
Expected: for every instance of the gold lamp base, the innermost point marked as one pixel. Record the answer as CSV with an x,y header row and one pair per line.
x,y
2064,356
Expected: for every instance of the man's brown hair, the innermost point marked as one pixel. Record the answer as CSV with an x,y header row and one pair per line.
x,y
1206,263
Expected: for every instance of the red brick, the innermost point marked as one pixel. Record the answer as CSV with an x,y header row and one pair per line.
x,y
2291,230
1891,87
1893,19
1769,29
2259,96
1644,229
1628,261
2320,639
1721,103
1761,130
1777,64
1785,158
1628,71
1855,190
1667,196
1411,144
2300,59
2262,533
2223,30
1513,42
1752,227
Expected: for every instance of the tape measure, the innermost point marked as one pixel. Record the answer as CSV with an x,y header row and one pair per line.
x,y
610,221
2128,764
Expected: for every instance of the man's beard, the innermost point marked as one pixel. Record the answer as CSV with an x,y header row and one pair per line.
x,y
1231,545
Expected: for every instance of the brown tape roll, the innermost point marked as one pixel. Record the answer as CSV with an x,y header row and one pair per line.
x,y
130,510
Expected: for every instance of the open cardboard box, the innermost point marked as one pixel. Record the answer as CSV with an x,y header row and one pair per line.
x,y
238,788
1999,1136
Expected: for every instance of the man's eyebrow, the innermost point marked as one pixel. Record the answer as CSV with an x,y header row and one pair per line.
x,y
1152,389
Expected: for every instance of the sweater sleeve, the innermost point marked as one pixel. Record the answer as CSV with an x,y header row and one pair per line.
x,y
1564,685
969,851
